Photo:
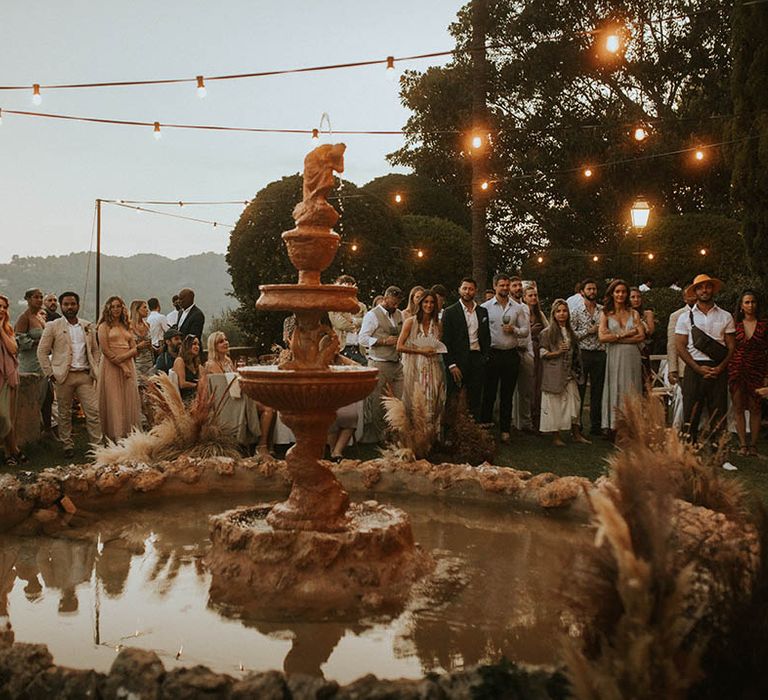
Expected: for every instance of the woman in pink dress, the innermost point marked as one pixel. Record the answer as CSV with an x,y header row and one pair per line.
x,y
118,390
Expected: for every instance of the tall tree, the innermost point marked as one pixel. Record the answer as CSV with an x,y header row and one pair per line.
x,y
749,128
558,102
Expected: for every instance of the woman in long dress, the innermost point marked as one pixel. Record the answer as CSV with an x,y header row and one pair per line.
x,y
748,369
145,358
9,385
422,366
561,372
621,331
118,390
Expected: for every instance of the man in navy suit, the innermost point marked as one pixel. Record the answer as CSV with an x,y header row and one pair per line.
x,y
191,319
467,337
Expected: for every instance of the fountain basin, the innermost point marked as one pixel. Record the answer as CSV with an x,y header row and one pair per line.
x,y
311,250
370,565
309,390
307,297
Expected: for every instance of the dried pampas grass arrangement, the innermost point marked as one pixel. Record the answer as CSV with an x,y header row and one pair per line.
x,y
665,575
193,431
413,433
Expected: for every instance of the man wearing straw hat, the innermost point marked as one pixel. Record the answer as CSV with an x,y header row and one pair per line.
x,y
705,340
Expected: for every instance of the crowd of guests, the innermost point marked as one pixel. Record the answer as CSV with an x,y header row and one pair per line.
x,y
505,356
505,352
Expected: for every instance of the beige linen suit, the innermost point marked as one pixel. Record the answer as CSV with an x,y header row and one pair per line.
x,y
55,356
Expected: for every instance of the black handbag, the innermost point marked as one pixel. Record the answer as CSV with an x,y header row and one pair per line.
x,y
716,351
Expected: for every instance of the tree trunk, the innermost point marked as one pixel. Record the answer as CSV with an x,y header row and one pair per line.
x,y
480,156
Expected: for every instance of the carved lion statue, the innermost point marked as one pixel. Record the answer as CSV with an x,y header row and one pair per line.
x,y
319,166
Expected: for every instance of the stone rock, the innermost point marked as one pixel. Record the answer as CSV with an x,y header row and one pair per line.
x,y
19,664
195,683
135,671
371,688
65,684
148,479
563,491
305,687
265,686
112,480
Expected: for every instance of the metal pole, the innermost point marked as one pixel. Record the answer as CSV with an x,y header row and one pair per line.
x,y
98,256
637,262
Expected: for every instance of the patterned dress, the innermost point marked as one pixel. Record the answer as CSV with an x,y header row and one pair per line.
x,y
748,367
425,372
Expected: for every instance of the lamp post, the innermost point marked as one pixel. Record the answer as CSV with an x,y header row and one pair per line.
x,y
640,211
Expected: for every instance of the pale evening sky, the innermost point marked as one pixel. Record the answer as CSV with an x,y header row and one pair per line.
x,y
52,171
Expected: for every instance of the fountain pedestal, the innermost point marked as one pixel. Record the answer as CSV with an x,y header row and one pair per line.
x,y
312,552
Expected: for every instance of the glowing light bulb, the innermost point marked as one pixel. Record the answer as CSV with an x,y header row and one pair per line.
x,y
391,74
699,155
156,132
587,172
595,258
398,198
640,134
419,253
37,98
477,141
612,43
540,259
201,91
703,251
650,256
315,134
354,247
484,185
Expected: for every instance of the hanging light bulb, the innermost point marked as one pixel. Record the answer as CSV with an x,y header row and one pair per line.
x,y
640,133
201,91
419,253
315,134
391,74
398,198
354,247
37,98
612,43
540,259
699,154
595,258
484,185
215,224
587,172
156,132
703,251
477,141
650,256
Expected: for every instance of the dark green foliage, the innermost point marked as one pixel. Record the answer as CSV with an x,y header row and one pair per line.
x,y
560,270
257,255
749,128
446,248
554,108
420,196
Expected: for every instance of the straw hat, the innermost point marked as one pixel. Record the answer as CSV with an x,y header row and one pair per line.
x,y
690,290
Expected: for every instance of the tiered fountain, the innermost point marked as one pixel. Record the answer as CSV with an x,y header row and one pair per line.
x,y
313,551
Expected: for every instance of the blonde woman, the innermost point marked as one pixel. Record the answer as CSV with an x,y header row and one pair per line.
x,y
145,358
413,302
9,384
219,361
119,404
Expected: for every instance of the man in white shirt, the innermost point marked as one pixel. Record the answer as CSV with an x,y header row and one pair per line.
x,y
379,333
576,300
705,382
69,355
158,324
508,325
173,317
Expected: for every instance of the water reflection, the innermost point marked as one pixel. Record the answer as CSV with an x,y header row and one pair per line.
x,y
137,577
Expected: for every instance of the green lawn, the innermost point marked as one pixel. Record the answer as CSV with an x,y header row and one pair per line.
x,y
535,454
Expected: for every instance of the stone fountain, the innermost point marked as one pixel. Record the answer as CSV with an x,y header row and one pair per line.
x,y
313,552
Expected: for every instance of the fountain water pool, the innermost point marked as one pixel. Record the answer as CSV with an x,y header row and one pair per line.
x,y
136,578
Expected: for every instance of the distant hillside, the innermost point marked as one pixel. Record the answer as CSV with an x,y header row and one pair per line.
x,y
137,277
